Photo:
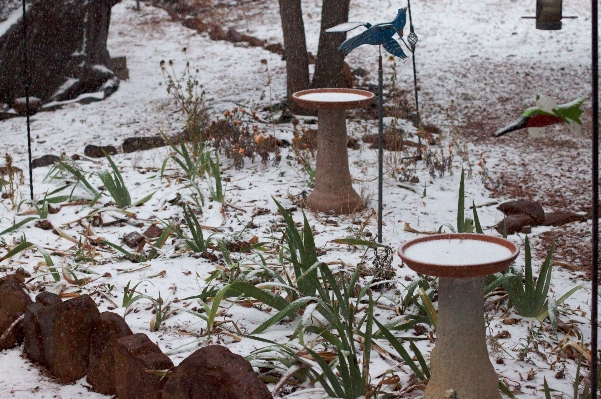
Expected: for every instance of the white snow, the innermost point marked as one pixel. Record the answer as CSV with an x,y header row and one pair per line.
x,y
466,52
333,97
457,252
12,19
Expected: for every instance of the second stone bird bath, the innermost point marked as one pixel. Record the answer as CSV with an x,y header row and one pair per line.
x,y
460,360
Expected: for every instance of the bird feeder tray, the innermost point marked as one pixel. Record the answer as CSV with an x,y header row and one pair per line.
x,y
458,255
333,99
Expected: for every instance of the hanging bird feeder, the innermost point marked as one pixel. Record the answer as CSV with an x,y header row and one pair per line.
x,y
549,14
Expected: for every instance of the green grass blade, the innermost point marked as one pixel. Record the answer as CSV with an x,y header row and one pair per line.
x,y
356,242
545,312
55,275
420,359
528,280
269,299
335,390
505,389
544,278
143,200
477,219
546,389
17,225
501,280
289,311
398,347
429,307
461,204
21,247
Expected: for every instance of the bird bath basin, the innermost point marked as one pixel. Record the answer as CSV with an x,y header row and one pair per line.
x,y
460,359
333,185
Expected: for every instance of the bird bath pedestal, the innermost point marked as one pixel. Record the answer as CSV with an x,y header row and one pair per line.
x,y
333,186
460,359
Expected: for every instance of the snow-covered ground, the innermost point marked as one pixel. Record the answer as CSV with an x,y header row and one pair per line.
x,y
479,60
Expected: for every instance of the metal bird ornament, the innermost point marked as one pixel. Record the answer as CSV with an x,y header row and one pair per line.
x,y
379,34
547,113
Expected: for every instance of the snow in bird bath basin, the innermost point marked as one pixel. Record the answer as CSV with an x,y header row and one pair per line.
x,y
333,97
457,252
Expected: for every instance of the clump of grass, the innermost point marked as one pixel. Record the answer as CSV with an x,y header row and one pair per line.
x,y
10,178
217,190
193,164
438,163
236,137
115,185
189,96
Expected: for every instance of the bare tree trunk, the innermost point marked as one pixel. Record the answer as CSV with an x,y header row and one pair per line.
x,y
295,45
329,64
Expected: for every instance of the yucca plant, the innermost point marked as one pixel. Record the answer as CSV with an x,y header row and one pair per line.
x,y
464,225
197,243
217,192
191,164
300,247
73,177
115,185
530,299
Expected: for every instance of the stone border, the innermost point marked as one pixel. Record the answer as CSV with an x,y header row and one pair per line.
x,y
72,339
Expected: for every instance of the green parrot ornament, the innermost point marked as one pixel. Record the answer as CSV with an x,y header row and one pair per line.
x,y
547,113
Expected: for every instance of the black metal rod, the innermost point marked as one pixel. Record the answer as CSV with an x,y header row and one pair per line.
x,y
412,48
595,200
380,144
26,85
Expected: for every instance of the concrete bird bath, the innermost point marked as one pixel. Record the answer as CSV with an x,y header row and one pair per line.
x,y
460,359
333,186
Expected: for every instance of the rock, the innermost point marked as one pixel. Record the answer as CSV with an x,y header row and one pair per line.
x,y
561,218
515,223
44,224
66,46
119,62
101,370
214,372
234,36
133,239
133,144
153,231
45,160
39,314
530,208
94,151
20,105
57,334
13,304
136,357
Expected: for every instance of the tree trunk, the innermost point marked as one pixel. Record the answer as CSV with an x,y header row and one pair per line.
x,y
297,64
330,63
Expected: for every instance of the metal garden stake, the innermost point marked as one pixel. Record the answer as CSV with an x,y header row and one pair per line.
x,y
381,35
26,85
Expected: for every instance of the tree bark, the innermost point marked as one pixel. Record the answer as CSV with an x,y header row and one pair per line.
x,y
295,45
330,63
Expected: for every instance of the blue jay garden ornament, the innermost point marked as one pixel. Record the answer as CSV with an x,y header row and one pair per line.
x,y
379,34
